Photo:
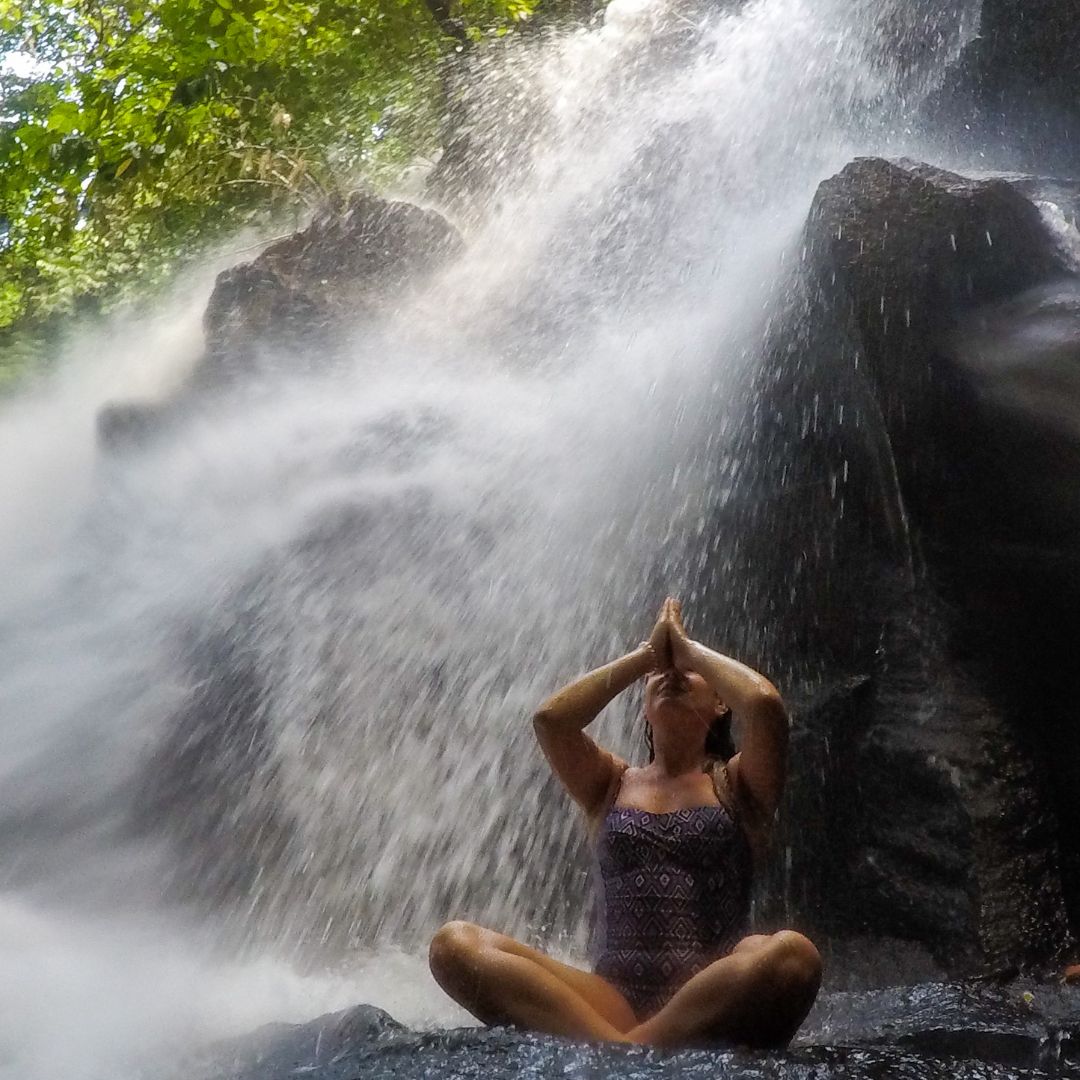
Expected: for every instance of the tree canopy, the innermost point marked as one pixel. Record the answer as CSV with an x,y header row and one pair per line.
x,y
133,131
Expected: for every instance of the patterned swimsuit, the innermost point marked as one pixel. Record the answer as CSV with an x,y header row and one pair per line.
x,y
675,896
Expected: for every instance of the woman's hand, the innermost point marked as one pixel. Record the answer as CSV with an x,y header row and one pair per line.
x,y
680,643
760,766
660,641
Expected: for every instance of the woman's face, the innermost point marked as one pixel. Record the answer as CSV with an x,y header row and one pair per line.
x,y
675,696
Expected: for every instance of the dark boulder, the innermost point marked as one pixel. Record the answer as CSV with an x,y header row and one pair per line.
x,y
941,573
352,263
331,1047
294,306
253,307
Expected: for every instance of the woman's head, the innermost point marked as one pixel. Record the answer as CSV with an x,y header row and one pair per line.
x,y
682,708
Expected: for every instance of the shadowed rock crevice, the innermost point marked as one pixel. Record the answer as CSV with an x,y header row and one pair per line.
x,y
1013,93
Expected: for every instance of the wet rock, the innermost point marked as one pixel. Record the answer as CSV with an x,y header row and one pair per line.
x,y
293,307
253,307
131,423
919,264
955,1031
948,820
351,263
1022,1025
328,1048
1013,93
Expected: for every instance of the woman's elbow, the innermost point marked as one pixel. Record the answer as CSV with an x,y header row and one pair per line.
x,y
768,705
542,720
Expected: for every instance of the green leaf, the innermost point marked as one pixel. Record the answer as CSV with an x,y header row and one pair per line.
x,y
64,117
145,131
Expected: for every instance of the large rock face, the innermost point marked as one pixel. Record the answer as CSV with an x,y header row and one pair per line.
x,y
1014,90
941,576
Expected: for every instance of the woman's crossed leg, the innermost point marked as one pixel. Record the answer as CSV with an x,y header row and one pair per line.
x,y
756,996
501,981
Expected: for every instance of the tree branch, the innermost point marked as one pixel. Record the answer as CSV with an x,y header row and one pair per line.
x,y
451,27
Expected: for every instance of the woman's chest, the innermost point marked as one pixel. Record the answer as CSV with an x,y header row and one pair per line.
x,y
700,839
665,795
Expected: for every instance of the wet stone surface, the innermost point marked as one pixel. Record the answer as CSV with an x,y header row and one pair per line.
x,y
948,1031
1023,1025
916,370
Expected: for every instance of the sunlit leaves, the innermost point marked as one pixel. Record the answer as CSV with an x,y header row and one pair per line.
x,y
134,131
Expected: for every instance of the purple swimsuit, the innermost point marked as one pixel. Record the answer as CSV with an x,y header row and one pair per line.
x,y
675,896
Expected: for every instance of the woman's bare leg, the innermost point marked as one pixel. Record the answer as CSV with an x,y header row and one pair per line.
x,y
501,981
757,996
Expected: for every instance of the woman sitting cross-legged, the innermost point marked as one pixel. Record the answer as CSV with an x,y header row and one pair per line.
x,y
675,843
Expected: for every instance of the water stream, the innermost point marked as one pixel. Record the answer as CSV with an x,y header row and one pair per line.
x,y
266,684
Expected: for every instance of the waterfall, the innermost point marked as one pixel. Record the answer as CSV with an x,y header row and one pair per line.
x,y
272,675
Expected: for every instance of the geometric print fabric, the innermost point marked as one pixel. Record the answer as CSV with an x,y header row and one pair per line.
x,y
675,896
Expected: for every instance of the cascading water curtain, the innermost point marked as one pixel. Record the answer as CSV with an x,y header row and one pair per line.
x,y
277,668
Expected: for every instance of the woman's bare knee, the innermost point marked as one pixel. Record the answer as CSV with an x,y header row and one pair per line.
x,y
751,943
792,976
452,947
795,963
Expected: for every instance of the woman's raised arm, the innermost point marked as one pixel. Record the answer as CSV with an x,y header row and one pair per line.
x,y
760,767
586,770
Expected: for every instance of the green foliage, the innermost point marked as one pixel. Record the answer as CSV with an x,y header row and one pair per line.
x,y
134,131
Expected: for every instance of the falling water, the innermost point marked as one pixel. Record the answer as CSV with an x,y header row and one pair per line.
x,y
272,675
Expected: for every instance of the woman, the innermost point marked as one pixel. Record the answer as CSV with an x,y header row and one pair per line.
x,y
675,842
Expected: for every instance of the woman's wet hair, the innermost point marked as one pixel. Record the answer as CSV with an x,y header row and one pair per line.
x,y
719,744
